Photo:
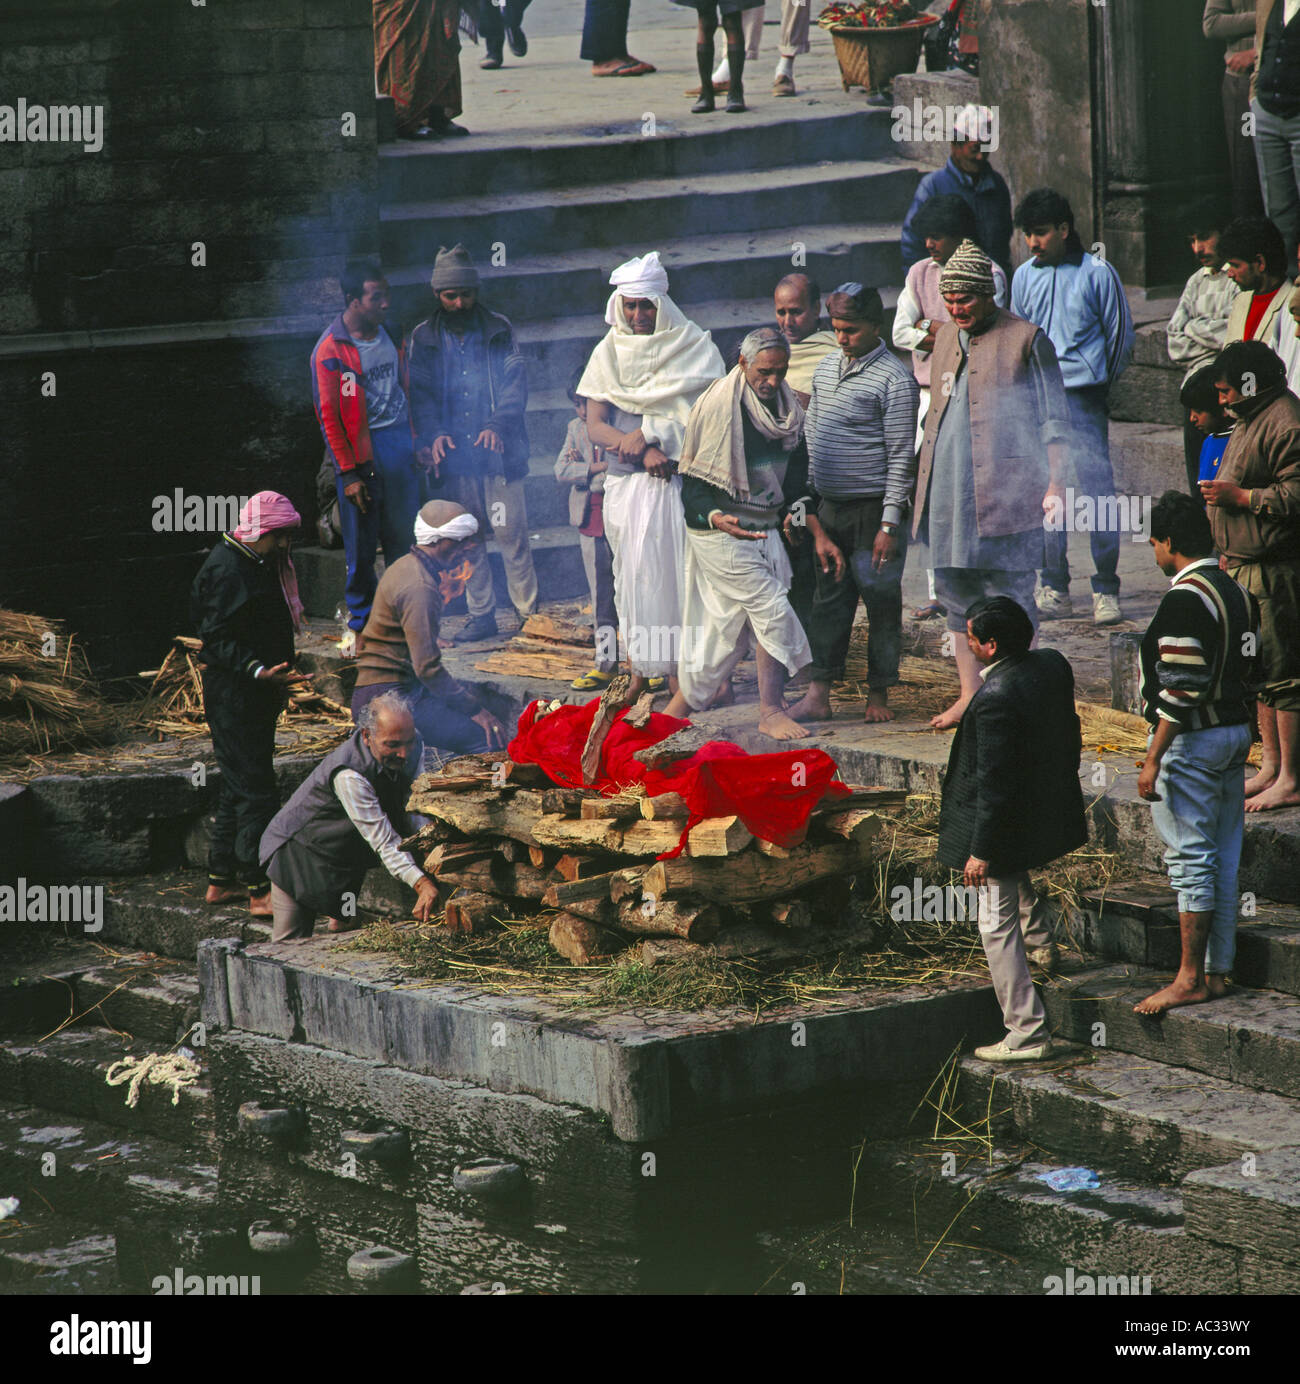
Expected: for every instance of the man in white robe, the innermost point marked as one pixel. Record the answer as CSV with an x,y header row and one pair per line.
x,y
744,475
640,385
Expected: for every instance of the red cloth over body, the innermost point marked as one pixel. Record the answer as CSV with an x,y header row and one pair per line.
x,y
773,794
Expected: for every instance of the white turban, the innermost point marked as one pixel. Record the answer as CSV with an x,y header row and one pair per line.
x,y
462,526
638,278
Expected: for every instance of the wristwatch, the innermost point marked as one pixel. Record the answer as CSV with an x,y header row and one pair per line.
x,y
891,529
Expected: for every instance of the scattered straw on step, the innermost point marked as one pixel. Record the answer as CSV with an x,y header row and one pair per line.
x,y
158,1069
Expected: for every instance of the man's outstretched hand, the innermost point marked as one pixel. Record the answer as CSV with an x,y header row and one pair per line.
x,y
426,899
283,676
496,733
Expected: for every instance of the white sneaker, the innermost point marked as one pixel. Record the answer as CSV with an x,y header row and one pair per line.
x,y
1053,604
1105,609
999,1052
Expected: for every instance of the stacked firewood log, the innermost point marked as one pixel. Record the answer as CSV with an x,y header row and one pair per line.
x,y
506,842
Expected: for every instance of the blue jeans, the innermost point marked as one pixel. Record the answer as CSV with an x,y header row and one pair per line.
x,y
1090,453
1200,816
1277,156
395,498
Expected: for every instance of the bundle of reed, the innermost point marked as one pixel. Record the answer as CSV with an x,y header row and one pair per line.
x,y
48,698
175,703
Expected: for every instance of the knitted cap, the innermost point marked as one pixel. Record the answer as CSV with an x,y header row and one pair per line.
x,y
969,270
453,269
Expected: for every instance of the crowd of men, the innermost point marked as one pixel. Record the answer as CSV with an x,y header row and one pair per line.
x,y
729,511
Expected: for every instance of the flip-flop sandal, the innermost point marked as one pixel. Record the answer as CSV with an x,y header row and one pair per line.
x,y
928,611
592,682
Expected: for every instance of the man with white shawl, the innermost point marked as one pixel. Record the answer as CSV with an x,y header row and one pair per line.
x,y
640,384
744,475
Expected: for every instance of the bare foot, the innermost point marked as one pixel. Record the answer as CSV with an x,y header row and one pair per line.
x,y
725,696
224,893
1283,793
678,706
812,706
1177,992
945,720
780,727
877,707
1260,781
1217,986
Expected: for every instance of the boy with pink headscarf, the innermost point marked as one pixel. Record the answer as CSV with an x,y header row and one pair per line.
x,y
245,607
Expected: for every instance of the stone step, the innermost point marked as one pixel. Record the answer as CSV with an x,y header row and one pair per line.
x,y
701,268
1147,1119
1125,1228
649,211
66,1072
132,820
94,1169
1147,458
1252,1205
37,985
46,1257
557,556
1138,922
147,997
1251,1037
410,172
165,913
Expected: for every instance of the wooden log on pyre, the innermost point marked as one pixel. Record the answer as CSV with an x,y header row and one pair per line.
x,y
506,844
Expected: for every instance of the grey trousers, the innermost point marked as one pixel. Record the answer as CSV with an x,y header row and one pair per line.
x,y
1011,917
289,919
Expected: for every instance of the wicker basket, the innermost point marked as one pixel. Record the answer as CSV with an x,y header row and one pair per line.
x,y
872,58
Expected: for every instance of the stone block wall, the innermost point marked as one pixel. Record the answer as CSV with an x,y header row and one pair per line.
x,y
159,295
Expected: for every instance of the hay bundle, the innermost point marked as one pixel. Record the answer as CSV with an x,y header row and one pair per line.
x,y
48,699
175,704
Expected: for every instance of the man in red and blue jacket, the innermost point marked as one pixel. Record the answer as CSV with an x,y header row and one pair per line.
x,y
359,389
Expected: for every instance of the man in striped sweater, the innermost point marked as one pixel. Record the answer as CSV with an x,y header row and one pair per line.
x,y
1198,663
861,433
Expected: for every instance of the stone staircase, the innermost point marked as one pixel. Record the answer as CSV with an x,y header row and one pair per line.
x,y
546,224
1191,1121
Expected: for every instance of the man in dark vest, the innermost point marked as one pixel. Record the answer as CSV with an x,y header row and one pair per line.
x,y
1012,803
348,815
991,458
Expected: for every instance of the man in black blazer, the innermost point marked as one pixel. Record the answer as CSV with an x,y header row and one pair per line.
x,y
1011,803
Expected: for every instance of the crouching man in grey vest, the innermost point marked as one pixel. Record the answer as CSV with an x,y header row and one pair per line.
x,y
348,811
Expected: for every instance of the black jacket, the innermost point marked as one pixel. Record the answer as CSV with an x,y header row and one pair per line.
x,y
239,611
507,385
1011,795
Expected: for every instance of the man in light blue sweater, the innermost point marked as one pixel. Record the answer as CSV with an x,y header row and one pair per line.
x,y
1078,300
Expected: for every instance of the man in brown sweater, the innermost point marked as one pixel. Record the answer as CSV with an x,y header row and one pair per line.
x,y
1254,508
398,649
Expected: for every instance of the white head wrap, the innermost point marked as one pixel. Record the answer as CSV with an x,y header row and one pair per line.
x,y
462,526
638,278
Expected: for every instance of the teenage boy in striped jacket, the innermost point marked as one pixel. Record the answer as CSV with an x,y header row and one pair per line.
x,y
1198,669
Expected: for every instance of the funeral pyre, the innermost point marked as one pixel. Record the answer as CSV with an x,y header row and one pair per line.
x,y
631,828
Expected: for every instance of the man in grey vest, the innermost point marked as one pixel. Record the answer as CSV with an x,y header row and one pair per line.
x,y
989,472
348,813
